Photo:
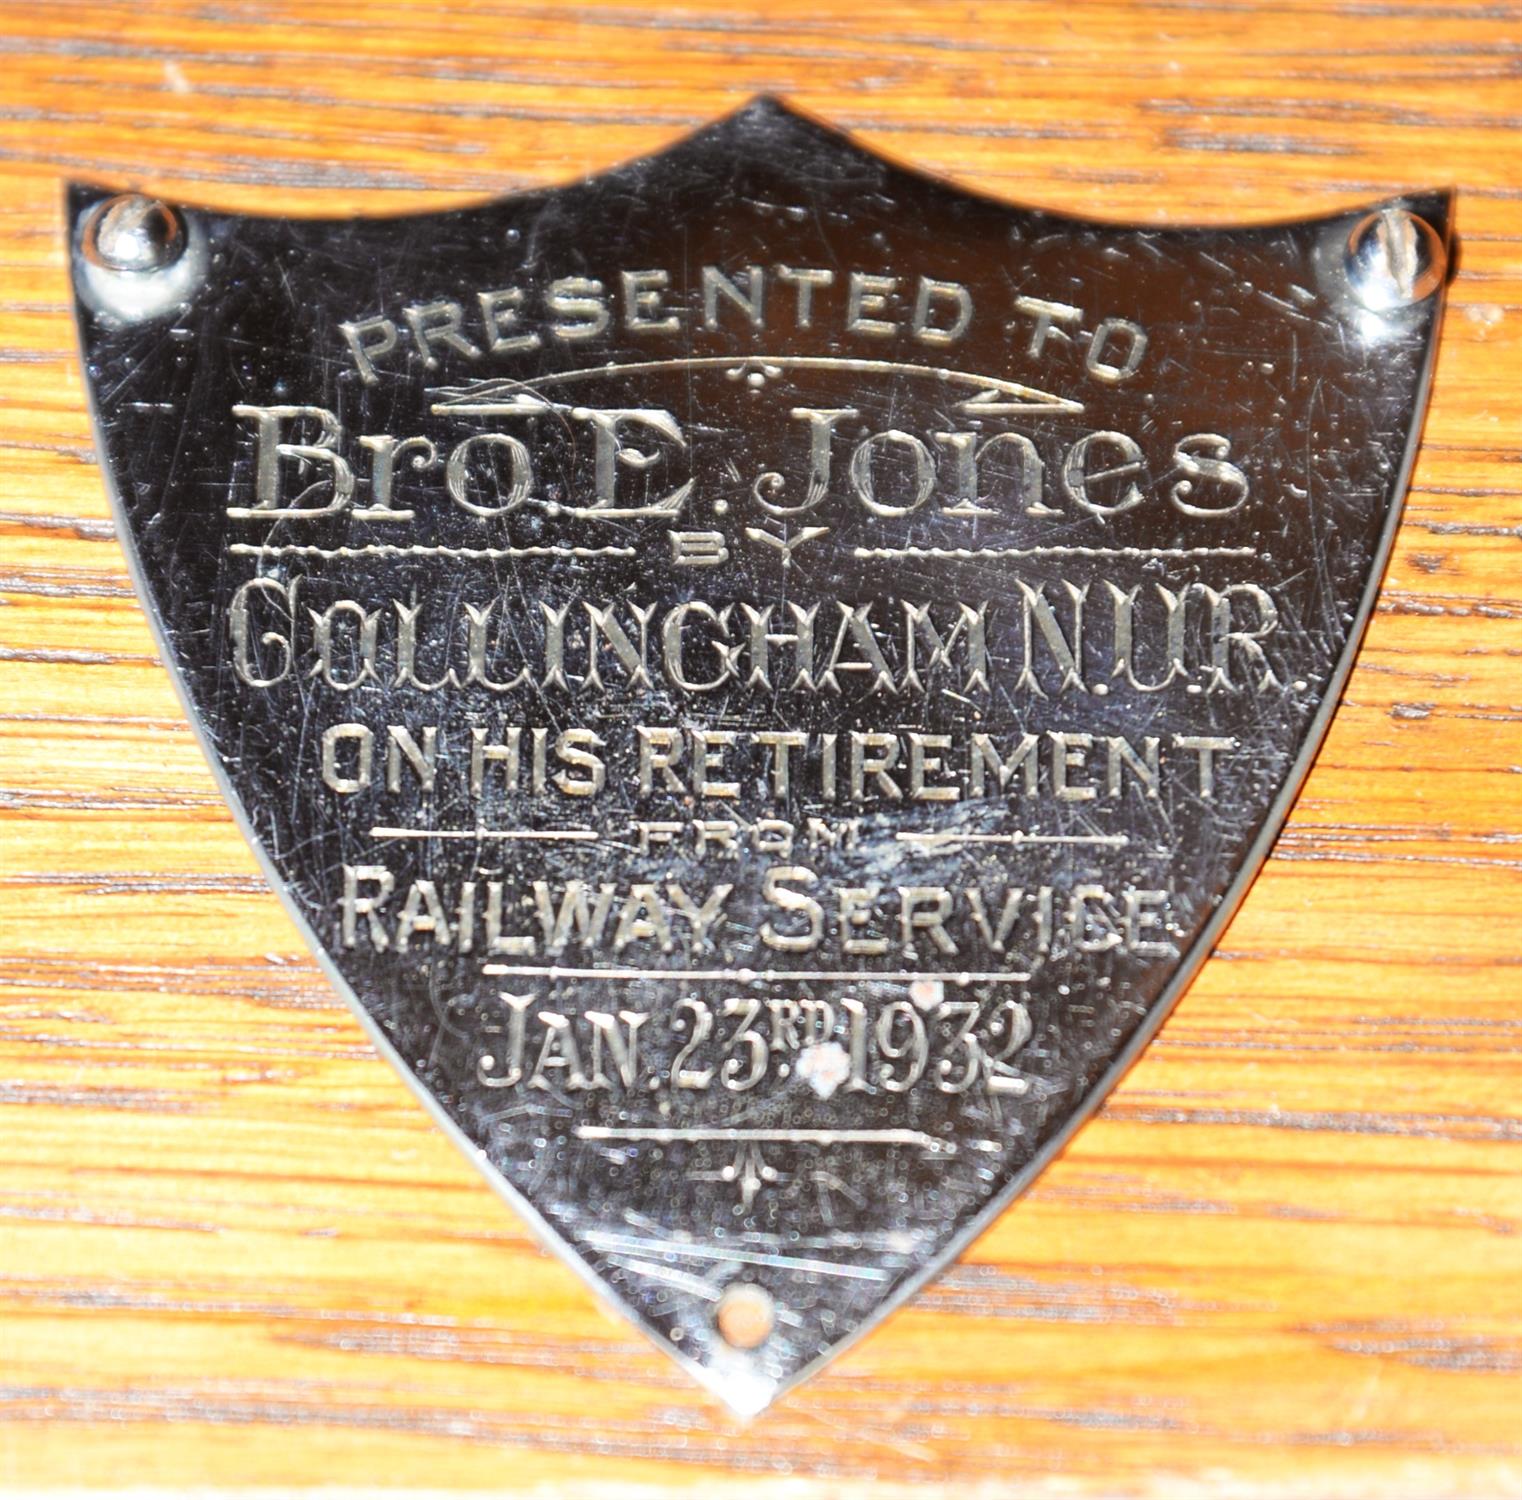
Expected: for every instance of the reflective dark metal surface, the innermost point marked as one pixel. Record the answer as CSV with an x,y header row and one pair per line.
x,y
761,674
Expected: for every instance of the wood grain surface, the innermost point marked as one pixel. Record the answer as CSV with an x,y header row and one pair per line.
x,y
1286,1258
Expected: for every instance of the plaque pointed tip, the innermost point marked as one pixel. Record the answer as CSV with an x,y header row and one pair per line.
x,y
747,1393
766,104
773,109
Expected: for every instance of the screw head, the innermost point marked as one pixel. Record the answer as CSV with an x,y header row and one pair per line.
x,y
133,235
1394,259
746,1315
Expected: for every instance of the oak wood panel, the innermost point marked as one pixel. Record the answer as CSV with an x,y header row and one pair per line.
x,y
1284,1260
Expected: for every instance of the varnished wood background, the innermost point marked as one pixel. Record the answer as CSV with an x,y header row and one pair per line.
x,y
1287,1258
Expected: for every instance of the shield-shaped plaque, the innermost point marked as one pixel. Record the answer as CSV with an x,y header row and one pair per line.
x,y
760,674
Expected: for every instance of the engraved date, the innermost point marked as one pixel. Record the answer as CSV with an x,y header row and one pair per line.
x,y
864,1040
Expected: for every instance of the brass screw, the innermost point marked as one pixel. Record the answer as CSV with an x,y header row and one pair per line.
x,y
746,1316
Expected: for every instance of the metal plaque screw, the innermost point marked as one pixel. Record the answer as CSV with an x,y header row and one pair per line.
x,y
1394,259
746,1316
133,234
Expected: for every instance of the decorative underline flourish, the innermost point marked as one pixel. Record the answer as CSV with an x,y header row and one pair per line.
x,y
547,835
750,1171
994,396
387,549
560,972
663,1134
973,553
950,840
670,1249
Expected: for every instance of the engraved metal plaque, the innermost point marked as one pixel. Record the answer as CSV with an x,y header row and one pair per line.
x,y
760,674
